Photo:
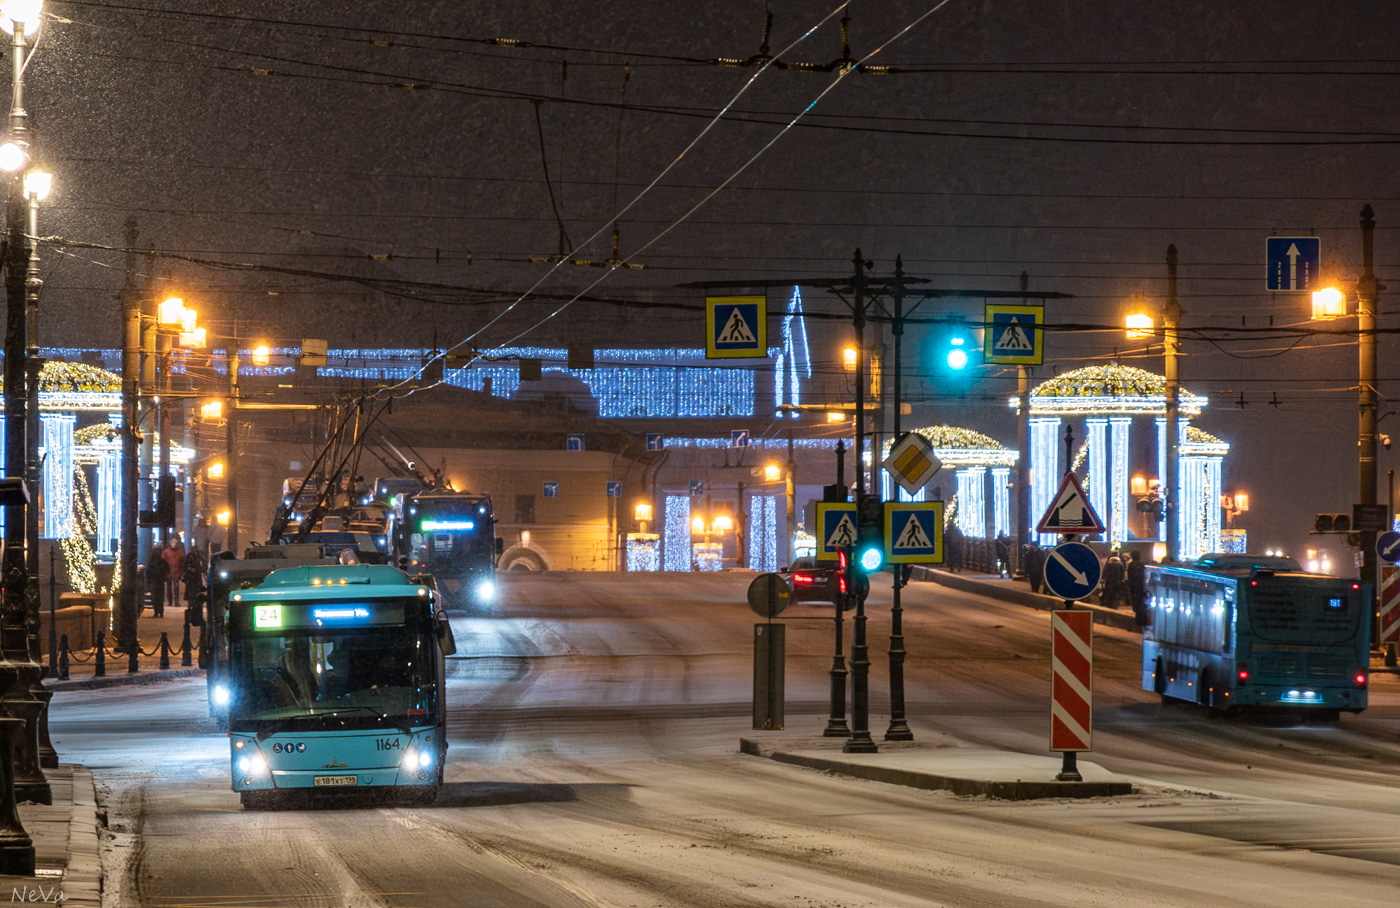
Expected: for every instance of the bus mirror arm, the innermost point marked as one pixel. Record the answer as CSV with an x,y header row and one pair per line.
x,y
446,641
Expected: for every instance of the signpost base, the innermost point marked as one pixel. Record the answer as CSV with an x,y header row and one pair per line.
x,y
1069,768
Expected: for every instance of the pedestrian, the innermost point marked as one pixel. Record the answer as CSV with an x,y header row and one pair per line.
x,y
1003,546
175,560
954,544
1114,574
1035,566
1137,589
157,573
193,580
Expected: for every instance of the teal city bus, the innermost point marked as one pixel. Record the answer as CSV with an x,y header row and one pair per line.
x,y
1245,631
336,684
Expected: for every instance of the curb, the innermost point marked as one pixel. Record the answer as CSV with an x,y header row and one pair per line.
x,y
124,678
82,879
1019,790
1105,616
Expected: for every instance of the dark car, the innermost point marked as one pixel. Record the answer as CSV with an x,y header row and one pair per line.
x,y
812,580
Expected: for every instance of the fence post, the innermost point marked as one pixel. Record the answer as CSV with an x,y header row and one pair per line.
x,y
186,648
100,669
63,658
164,651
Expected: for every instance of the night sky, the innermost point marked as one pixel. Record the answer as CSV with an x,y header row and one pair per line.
x,y
374,173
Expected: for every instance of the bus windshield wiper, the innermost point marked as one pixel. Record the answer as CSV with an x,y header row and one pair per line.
x,y
401,726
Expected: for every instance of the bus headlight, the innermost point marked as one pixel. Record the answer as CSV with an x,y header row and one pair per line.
x,y
253,765
416,759
221,695
486,590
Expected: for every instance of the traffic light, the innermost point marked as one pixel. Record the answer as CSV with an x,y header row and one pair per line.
x,y
954,349
1332,523
165,502
846,578
870,534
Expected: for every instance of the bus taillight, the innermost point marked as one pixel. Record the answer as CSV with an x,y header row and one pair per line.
x,y
1242,671
1360,679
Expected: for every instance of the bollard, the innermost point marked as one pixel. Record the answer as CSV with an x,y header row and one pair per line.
x,y
63,658
186,648
164,651
100,667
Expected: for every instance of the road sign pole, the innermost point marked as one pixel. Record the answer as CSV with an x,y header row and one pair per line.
x,y
860,740
899,725
836,726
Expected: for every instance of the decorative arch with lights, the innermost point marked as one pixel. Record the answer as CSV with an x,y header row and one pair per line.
x,y
1108,399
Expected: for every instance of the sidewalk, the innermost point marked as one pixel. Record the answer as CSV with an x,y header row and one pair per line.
x,y
81,675
964,771
66,837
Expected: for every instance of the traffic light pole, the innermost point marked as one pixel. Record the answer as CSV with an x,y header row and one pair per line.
x,y
899,725
836,726
860,740
1367,291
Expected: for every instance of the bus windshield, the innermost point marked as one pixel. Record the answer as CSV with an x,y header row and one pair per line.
x,y
334,678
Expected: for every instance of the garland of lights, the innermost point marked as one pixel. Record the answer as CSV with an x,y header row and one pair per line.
x,y
78,556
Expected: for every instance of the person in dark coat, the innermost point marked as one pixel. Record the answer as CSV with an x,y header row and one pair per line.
x,y
1114,574
1137,588
954,544
157,573
1003,546
1035,566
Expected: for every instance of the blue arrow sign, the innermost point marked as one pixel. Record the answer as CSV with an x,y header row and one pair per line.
x,y
739,437
1072,570
1388,546
697,488
1294,262
551,490
614,490
655,442
573,443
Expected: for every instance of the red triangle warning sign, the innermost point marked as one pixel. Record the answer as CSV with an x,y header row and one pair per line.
x,y
1070,511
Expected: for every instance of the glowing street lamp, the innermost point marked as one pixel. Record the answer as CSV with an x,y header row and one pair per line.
x,y
262,355
848,357
772,473
215,470
642,512
170,314
1329,302
1139,325
212,410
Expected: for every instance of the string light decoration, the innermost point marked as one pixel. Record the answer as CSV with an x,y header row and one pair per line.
x,y
676,547
1108,390
78,557
794,361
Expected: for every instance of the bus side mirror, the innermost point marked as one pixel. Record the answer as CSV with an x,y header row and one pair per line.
x,y
445,638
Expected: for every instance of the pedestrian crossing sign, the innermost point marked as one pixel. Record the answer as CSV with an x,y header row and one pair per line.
x,y
914,532
836,526
736,327
1014,335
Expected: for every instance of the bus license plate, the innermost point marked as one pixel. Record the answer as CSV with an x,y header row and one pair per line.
x,y
335,781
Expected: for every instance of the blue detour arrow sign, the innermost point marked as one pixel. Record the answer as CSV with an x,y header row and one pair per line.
x,y
1072,570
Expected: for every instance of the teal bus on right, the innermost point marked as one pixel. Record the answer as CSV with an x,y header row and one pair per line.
x,y
1233,632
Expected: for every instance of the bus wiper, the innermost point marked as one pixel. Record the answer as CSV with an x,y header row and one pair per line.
x,y
403,727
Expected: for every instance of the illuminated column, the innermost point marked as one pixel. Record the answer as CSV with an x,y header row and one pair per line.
x,y
763,533
58,473
1099,472
676,533
1119,428
1045,470
1001,500
972,502
109,496
1192,488
1212,503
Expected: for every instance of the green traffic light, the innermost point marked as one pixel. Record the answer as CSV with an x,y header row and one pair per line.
x,y
871,559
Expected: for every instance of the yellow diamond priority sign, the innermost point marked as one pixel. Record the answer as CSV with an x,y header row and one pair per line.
x,y
912,462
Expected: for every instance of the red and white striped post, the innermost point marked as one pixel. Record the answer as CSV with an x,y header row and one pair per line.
x,y
1390,605
1071,687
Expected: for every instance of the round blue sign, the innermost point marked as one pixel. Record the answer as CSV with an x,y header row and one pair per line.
x,y
1072,570
1388,546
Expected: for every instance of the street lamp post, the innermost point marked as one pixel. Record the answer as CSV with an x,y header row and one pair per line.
x,y
1367,291
19,634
